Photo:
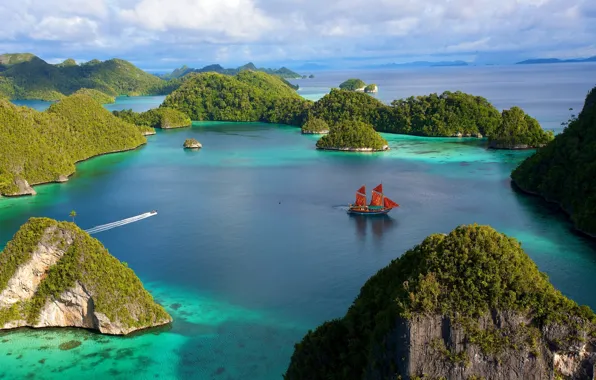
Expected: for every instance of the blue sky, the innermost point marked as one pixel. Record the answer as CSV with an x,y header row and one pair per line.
x,y
164,34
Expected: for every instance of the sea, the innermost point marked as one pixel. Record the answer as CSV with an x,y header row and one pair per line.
x,y
252,246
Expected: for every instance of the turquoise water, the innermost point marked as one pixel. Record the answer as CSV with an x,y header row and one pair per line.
x,y
136,103
252,246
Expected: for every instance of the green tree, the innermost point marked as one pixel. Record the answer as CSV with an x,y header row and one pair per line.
x,y
73,214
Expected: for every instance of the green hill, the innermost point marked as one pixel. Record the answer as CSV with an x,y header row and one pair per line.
x,y
162,117
518,130
467,305
282,72
247,96
352,136
33,78
564,171
40,147
96,95
13,59
78,265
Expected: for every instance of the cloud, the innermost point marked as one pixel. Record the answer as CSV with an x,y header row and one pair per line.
x,y
148,31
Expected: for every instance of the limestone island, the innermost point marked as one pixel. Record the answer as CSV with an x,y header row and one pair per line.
x,y
358,85
517,130
96,95
41,147
467,305
162,118
315,126
353,136
53,274
192,144
563,171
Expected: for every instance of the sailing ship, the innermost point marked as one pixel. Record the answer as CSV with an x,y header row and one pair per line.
x,y
379,203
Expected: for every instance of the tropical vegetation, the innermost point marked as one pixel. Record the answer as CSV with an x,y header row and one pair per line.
x,y
282,72
352,84
162,117
26,76
247,96
470,273
564,171
96,95
41,147
517,130
315,126
352,135
116,291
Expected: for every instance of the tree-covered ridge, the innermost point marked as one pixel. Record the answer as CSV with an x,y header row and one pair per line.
x,y
352,135
34,78
14,58
315,125
341,105
248,96
564,171
162,117
115,289
352,84
518,130
282,72
41,147
96,95
463,276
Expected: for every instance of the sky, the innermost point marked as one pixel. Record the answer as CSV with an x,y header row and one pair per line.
x,y
164,34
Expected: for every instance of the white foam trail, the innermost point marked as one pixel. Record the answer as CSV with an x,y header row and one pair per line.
x,y
123,222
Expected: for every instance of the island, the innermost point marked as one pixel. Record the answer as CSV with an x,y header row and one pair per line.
x,y
358,85
192,144
563,171
315,126
517,130
353,136
53,274
41,147
246,96
162,118
470,304
96,95
26,76
282,72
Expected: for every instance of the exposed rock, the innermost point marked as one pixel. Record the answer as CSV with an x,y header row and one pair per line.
x,y
371,88
458,134
23,188
129,310
148,133
62,178
192,144
497,145
385,147
479,135
323,132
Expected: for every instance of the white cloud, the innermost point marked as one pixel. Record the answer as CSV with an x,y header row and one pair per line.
x,y
66,29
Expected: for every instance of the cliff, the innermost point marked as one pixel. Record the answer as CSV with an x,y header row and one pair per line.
x,y
53,274
563,171
468,305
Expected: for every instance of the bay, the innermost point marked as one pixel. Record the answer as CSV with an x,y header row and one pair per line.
x,y
252,246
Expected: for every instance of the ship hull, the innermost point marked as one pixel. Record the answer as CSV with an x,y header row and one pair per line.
x,y
369,212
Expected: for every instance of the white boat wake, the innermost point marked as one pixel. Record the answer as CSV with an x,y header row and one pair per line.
x,y
123,222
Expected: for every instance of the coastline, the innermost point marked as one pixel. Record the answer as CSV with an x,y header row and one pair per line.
x,y
365,150
71,174
559,205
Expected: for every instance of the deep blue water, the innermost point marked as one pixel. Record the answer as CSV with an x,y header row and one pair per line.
x,y
252,245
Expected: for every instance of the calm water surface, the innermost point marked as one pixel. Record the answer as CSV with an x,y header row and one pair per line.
x,y
252,245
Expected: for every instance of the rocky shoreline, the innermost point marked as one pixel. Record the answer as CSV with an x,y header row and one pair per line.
x,y
385,148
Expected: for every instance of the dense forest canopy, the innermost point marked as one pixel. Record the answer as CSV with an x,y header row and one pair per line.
x,y
564,171
352,135
96,95
162,117
315,125
42,146
352,84
29,77
247,96
518,130
282,72
464,275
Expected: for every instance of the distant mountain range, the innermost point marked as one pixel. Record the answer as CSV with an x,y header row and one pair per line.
x,y
26,76
283,72
555,60
415,64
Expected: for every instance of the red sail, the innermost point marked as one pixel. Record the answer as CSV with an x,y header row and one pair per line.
x,y
360,199
379,188
362,190
388,203
377,199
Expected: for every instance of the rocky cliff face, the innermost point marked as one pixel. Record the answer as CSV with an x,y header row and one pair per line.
x,y
49,284
468,305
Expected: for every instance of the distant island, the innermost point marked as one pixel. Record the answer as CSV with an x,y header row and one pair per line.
x,y
415,64
282,72
358,85
555,60
162,117
470,304
192,144
53,274
41,147
563,171
353,136
25,76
